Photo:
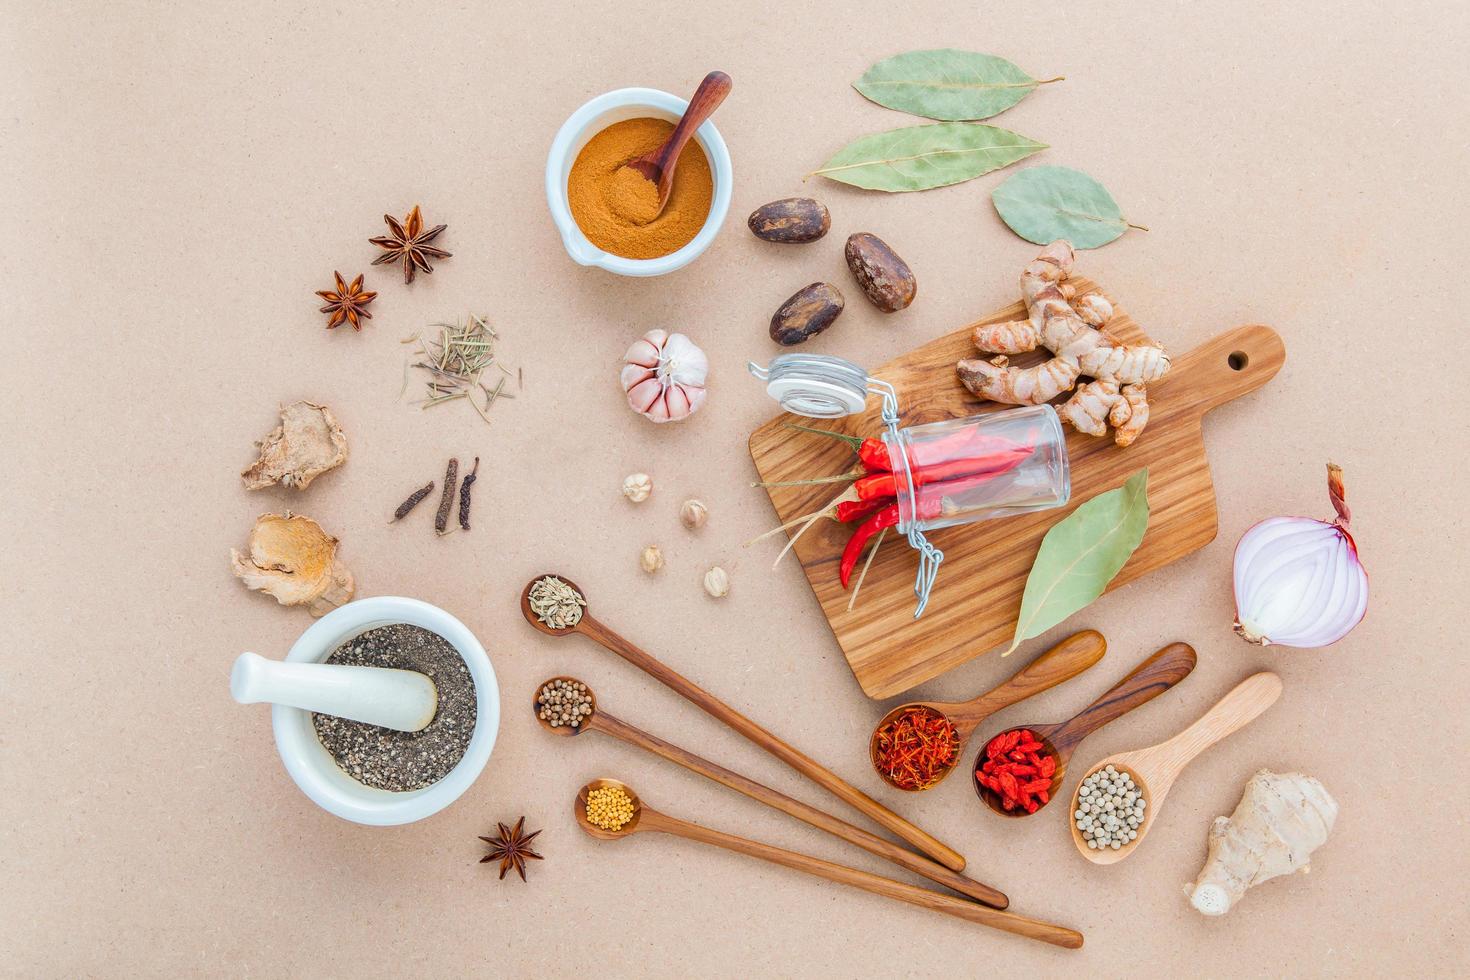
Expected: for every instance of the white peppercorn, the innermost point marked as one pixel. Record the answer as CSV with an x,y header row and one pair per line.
x,y
1109,810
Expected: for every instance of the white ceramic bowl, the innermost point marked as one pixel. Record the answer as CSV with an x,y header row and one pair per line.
x,y
312,766
593,118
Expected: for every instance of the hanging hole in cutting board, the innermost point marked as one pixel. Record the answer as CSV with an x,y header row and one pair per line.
x,y
1238,360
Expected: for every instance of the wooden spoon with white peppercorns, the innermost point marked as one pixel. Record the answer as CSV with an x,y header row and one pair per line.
x,y
598,720
647,819
1155,768
573,616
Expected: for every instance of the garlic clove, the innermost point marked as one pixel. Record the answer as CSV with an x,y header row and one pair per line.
x,y
652,559
717,582
693,514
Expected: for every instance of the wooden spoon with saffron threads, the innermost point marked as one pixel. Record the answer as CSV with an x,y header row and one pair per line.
x,y
658,166
647,819
600,721
827,779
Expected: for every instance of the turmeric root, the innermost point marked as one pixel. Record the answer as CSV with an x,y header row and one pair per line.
x,y
1280,821
1070,327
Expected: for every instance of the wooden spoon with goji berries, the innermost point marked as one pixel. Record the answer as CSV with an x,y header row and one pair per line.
x,y
1062,662
1019,771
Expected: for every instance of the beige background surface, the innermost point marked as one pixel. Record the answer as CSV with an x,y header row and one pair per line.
x,y
181,177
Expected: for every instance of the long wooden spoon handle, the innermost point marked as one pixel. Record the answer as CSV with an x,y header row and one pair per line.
x,y
1243,705
702,104
1145,682
802,763
924,898
1062,662
609,725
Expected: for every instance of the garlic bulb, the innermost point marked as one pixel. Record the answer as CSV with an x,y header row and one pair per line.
x,y
637,487
693,514
717,582
664,376
1298,581
652,559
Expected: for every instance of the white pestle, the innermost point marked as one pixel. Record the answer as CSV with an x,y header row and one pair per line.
x,y
401,699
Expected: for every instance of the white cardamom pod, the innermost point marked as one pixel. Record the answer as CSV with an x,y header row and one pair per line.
x,y
717,582
637,487
652,559
693,514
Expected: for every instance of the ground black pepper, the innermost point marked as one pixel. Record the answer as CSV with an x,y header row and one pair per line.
x,y
402,761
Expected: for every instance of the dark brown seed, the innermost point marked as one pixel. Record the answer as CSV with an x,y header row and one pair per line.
x,y
885,278
441,519
413,501
792,221
806,314
464,495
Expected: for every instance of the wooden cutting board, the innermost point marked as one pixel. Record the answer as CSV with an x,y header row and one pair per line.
x,y
978,593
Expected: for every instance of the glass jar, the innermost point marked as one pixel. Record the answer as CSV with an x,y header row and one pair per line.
x,y
984,466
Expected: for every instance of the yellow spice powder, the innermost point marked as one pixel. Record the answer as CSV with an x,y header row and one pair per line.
x,y
617,208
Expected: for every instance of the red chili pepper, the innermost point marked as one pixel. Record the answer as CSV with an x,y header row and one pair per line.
x,y
878,485
857,510
873,454
885,518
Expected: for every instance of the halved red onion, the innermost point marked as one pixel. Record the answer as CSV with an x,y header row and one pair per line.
x,y
1298,581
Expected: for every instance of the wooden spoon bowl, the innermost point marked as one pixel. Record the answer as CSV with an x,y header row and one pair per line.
x,y
580,806
534,620
1145,682
566,730
1155,769
1062,662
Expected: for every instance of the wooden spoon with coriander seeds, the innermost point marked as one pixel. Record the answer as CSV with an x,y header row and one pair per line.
x,y
557,600
600,721
1145,682
658,165
645,819
1062,662
1155,768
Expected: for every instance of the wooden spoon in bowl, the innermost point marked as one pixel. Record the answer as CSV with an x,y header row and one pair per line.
x,y
597,632
600,721
1154,769
1062,662
658,166
647,819
1145,682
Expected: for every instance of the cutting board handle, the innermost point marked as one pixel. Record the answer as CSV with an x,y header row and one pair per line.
x,y
1230,364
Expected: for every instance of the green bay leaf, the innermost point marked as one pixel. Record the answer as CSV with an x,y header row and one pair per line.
x,y
1080,555
917,158
947,84
1042,204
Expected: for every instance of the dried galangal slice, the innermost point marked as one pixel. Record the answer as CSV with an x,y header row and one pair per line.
x,y
306,444
291,558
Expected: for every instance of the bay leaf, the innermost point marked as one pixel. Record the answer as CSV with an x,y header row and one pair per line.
x,y
944,83
1080,555
917,158
1042,204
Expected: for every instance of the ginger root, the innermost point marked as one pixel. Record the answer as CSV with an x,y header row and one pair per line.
x,y
1071,327
307,442
1280,821
291,558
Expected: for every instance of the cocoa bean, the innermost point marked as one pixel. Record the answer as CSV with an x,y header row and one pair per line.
x,y
885,278
793,220
806,314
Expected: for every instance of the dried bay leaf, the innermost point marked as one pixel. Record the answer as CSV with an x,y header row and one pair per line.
x,y
1043,204
947,84
1080,555
917,158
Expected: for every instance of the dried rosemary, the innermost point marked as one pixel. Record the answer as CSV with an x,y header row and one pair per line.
x,y
456,361
451,474
413,501
464,495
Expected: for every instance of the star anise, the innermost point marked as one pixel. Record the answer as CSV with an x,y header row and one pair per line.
x,y
346,303
410,243
512,849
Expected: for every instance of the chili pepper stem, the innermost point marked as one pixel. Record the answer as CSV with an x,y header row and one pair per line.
x,y
872,553
853,441
839,478
796,537
828,511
